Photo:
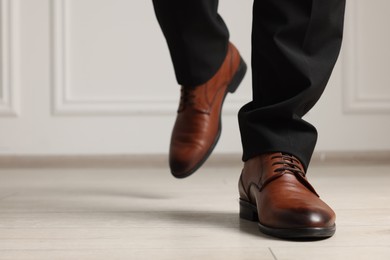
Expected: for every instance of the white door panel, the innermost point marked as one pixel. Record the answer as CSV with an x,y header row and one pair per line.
x,y
95,77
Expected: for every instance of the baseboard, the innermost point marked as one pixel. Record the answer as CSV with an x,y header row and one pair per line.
x,y
348,157
160,160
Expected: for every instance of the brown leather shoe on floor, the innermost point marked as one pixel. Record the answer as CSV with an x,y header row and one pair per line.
x,y
275,192
198,123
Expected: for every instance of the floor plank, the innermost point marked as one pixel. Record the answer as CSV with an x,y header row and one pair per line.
x,y
146,214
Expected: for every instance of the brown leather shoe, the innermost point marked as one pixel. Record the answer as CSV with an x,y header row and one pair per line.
x,y
198,123
275,192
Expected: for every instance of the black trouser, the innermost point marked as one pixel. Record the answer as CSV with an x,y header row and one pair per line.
x,y
295,44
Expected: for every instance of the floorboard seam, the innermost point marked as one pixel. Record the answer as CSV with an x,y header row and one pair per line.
x,y
272,253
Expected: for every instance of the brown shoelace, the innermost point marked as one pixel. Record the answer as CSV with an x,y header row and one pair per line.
x,y
288,163
186,98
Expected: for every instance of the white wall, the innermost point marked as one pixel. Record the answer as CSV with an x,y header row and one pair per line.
x,y
95,77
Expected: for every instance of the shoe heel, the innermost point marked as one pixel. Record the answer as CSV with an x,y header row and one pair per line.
x,y
248,211
237,78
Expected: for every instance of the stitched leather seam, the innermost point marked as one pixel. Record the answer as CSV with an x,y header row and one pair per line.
x,y
223,85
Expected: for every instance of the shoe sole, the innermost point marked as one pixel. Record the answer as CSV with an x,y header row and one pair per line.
x,y
231,88
249,212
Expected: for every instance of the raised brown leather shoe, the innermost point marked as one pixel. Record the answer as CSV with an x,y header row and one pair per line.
x,y
198,123
275,192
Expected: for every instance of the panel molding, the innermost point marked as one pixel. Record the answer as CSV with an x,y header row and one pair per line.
x,y
65,104
9,98
354,100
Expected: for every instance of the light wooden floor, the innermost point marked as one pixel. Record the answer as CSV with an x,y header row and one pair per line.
x,y
146,214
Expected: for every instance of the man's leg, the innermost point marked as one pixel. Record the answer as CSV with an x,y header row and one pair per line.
x,y
295,45
208,67
197,38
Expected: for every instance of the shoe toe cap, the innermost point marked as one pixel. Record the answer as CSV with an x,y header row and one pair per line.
x,y
302,217
185,160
